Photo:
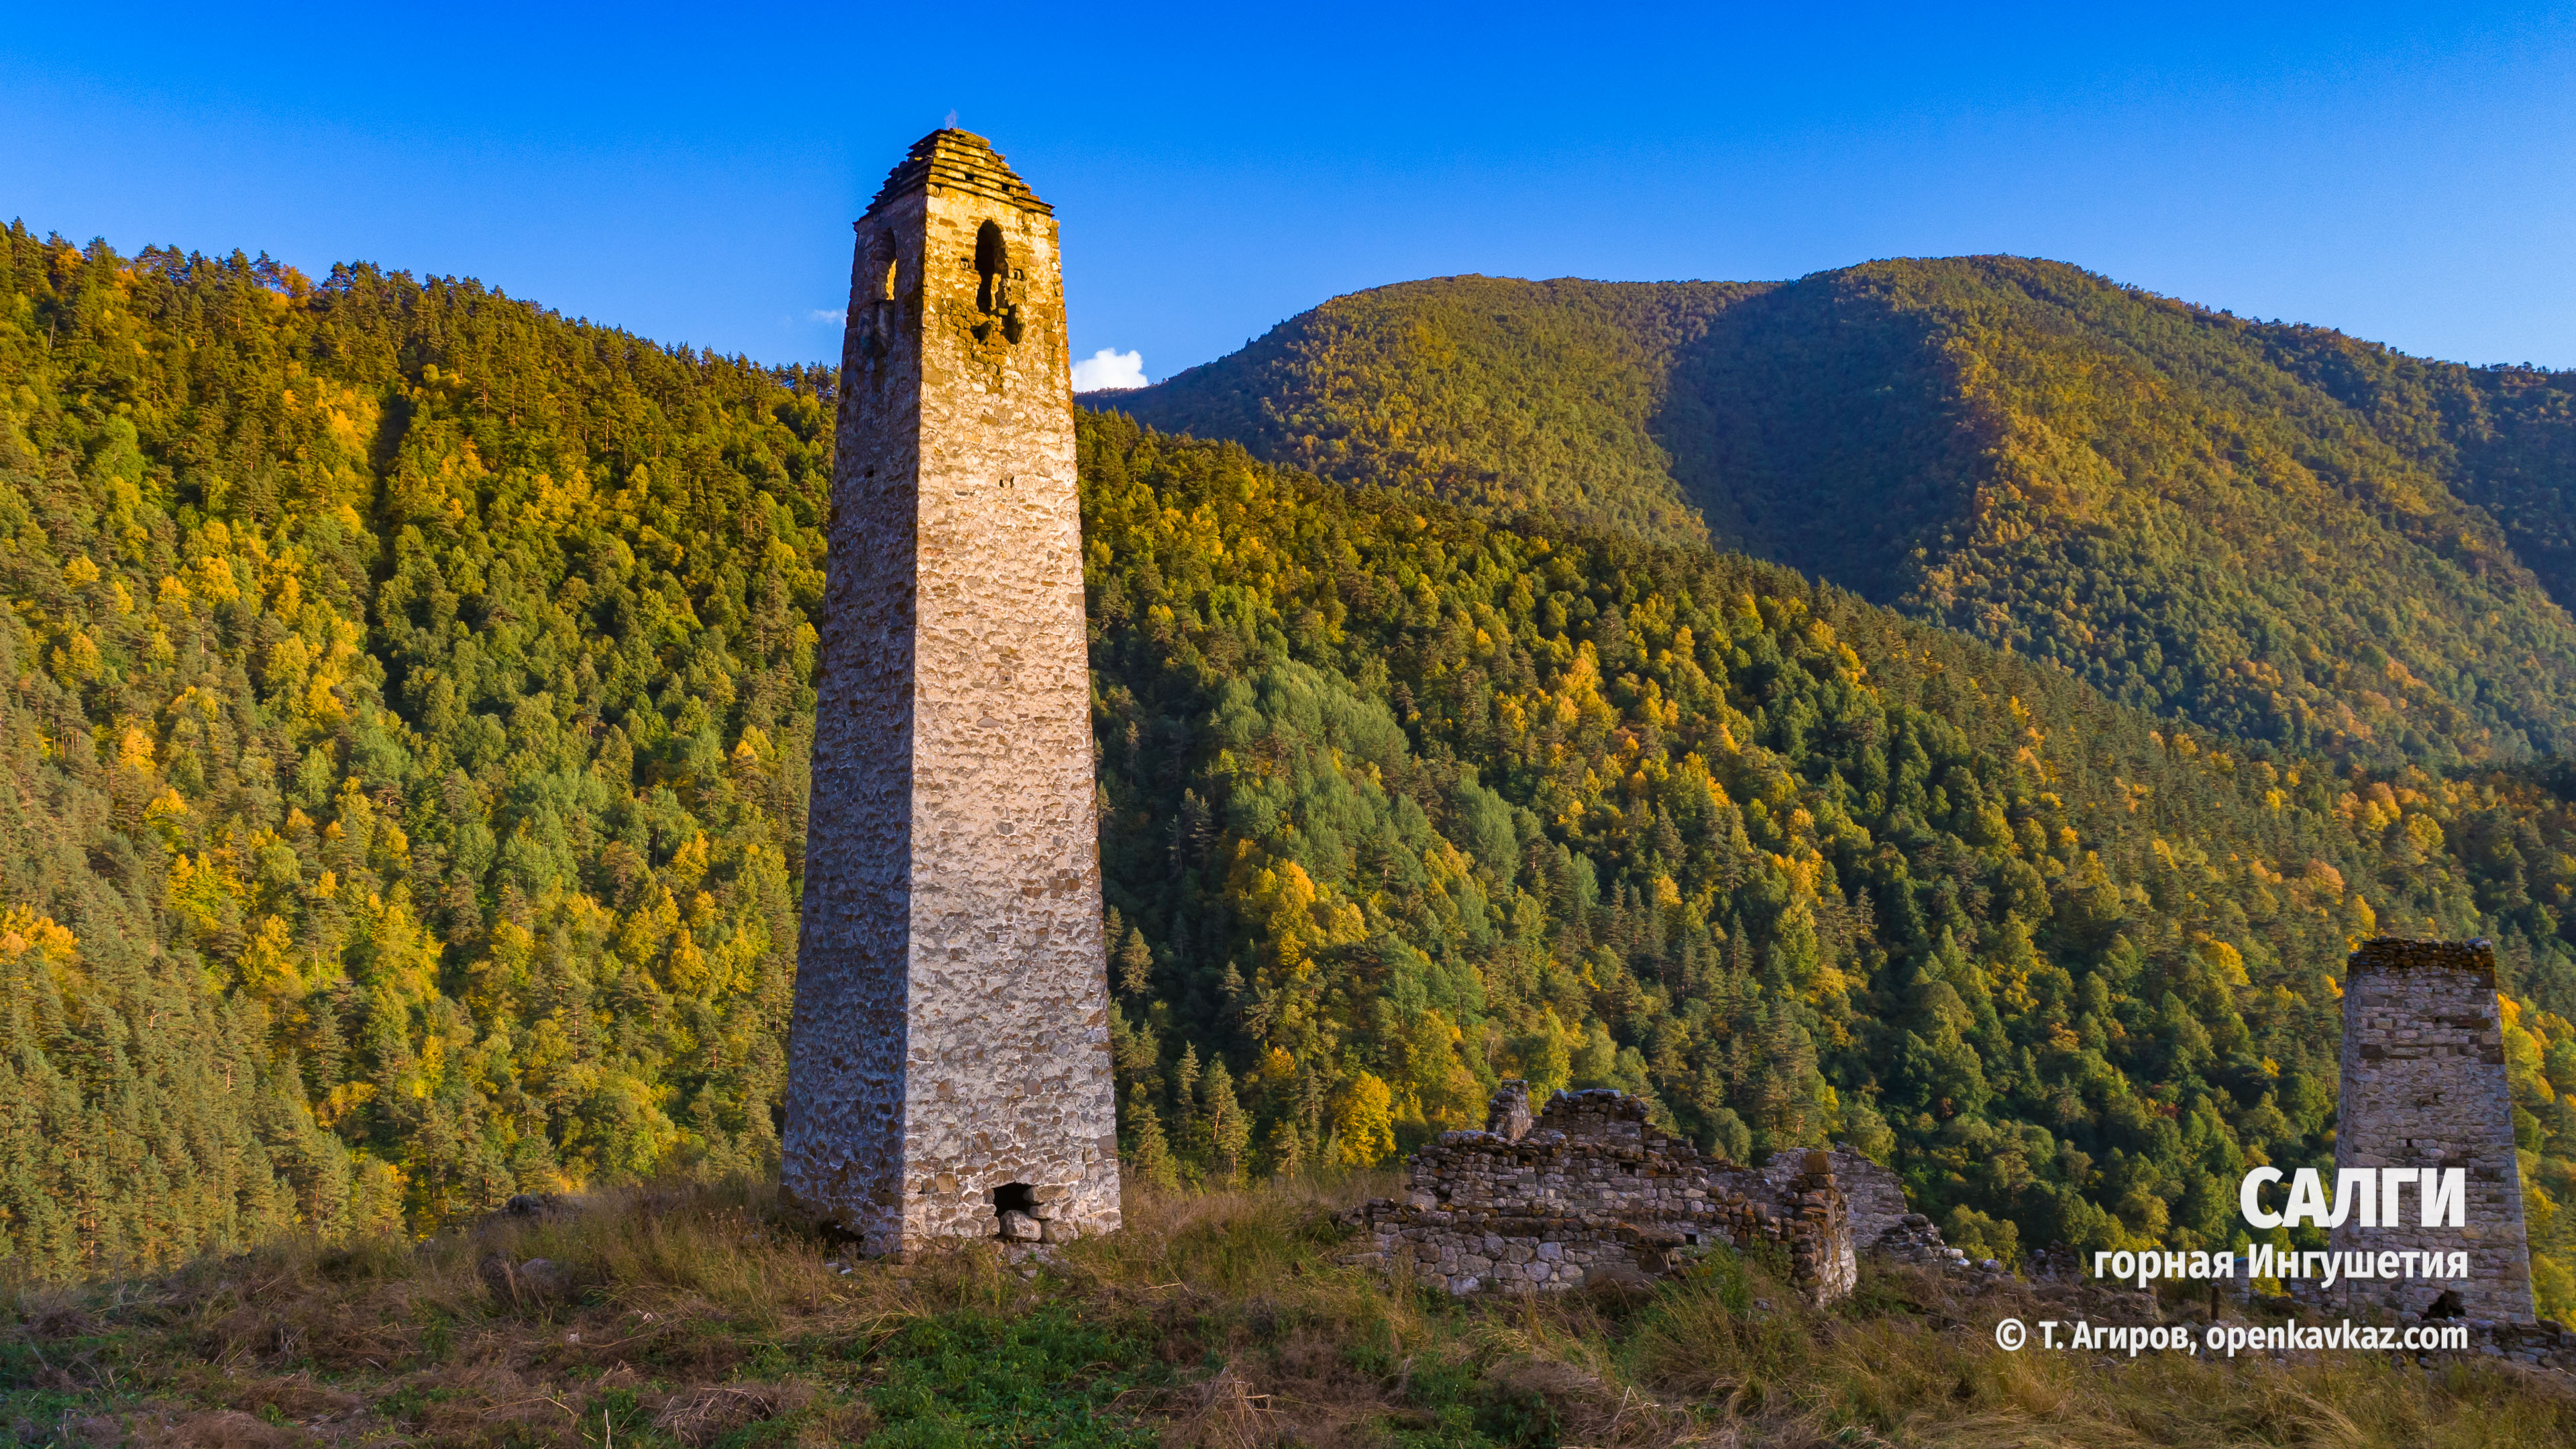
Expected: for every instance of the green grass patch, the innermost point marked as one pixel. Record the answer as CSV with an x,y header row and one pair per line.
x,y
974,1378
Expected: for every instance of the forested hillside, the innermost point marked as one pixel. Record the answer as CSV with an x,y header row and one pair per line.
x,y
406,702
2277,532
1485,391
1439,798
405,714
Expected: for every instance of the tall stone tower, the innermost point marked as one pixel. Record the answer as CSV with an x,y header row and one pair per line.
x,y
2424,1088
948,1064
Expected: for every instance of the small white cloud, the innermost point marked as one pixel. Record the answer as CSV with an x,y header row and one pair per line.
x,y
1107,369
829,314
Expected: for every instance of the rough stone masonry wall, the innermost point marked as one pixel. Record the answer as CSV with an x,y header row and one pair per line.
x,y
2542,1344
2424,1087
1874,1200
1591,1192
949,1061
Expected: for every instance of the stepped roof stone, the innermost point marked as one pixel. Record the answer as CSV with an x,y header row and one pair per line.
x,y
958,161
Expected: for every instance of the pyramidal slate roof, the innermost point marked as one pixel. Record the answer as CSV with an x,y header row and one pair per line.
x,y
958,161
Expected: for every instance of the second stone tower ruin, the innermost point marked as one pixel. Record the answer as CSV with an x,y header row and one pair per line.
x,y
948,1063
2424,1090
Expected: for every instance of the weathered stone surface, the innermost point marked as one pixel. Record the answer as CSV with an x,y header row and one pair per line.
x,y
1874,1202
1592,1192
1507,1115
949,1054
2540,1343
2424,1087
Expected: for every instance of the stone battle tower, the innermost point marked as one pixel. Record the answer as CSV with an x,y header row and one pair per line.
x,y
2424,1089
948,1065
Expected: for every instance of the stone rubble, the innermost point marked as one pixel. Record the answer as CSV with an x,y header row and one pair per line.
x,y
1589,1191
1881,1223
2543,1344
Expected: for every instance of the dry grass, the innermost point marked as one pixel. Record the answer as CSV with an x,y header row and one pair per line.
x,y
697,1316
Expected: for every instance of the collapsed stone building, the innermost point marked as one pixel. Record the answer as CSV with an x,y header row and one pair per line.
x,y
1588,1191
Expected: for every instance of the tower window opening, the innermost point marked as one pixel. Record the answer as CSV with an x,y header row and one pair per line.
x,y
993,264
1012,1197
881,267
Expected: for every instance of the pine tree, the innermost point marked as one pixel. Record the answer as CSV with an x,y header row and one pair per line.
x,y
1229,1129
1189,1122
1287,1149
1135,964
1149,1156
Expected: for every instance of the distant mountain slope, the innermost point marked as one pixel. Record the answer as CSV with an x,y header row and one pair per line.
x,y
1485,390
2504,438
2275,531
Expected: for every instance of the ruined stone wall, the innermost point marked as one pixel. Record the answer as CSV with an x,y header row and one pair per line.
x,y
949,1059
2540,1345
2424,1087
1874,1202
1591,1192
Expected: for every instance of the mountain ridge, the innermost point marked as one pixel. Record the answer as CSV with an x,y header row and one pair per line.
x,y
2162,499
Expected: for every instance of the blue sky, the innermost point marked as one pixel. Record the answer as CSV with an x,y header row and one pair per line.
x,y
2401,172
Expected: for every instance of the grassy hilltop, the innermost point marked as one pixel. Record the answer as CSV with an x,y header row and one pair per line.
x,y
690,1317
404,703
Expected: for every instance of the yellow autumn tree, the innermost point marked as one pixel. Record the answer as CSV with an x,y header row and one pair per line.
x,y
1363,1122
